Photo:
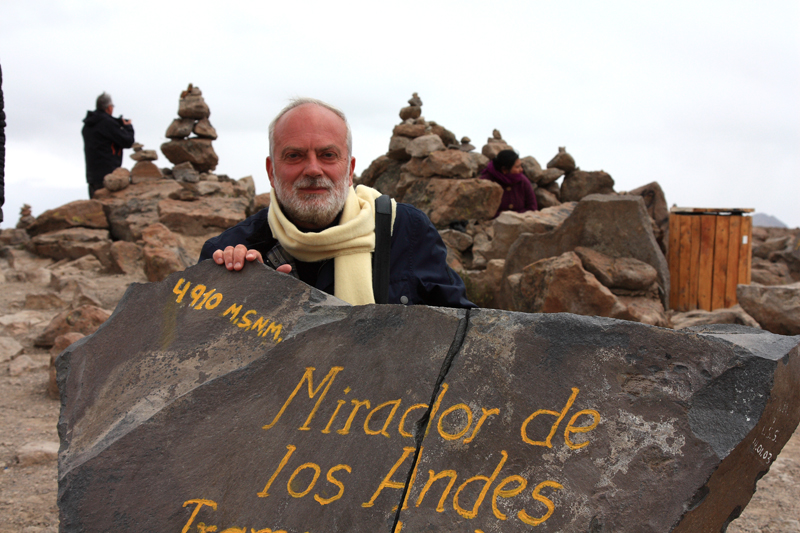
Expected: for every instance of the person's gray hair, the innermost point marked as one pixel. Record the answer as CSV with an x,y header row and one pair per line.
x,y
103,101
297,102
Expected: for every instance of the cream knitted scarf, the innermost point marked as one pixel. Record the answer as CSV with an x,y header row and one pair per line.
x,y
350,243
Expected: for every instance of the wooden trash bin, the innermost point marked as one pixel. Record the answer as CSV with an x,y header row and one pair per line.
x,y
710,253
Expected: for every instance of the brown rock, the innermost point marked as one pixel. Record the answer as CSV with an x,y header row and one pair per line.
x,y
555,190
446,201
185,172
199,152
117,180
562,160
397,148
412,131
579,183
44,300
203,216
73,243
726,315
776,308
191,106
656,204
61,343
549,175
561,285
457,240
9,349
545,198
774,244
483,286
134,208
447,136
144,155
77,214
509,225
162,253
531,168
180,128
645,310
35,453
261,201
412,111
14,236
85,319
424,146
768,273
204,129
490,150
617,226
621,272
145,171
126,257
446,164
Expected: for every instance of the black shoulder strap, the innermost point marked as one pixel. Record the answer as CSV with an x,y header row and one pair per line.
x,y
383,241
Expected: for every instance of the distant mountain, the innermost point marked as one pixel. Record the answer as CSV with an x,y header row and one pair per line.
x,y
767,221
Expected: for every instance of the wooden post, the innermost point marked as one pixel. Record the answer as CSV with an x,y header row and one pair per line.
x,y
708,228
719,281
694,264
734,243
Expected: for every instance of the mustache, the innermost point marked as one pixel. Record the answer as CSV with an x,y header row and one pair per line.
x,y
313,182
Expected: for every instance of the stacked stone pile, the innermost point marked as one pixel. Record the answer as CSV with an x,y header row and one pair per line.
x,y
193,113
428,167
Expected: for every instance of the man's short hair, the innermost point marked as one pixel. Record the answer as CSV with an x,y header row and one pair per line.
x,y
297,102
103,101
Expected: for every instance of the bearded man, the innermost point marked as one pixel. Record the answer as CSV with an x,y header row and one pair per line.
x,y
321,230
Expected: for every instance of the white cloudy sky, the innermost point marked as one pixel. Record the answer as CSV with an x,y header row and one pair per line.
x,y
699,96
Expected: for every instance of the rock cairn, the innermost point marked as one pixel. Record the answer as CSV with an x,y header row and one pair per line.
x,y
193,116
428,167
144,169
25,217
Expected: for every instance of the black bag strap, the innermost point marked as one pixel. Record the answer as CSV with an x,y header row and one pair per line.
x,y
383,242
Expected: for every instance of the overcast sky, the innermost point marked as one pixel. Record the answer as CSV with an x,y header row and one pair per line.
x,y
703,97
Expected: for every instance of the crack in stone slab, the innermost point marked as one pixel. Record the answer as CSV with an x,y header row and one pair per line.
x,y
422,425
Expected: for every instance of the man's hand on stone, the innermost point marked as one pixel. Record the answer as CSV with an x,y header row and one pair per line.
x,y
234,258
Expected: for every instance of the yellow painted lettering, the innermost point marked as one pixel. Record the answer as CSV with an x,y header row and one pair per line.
x,y
214,301
525,517
487,482
382,431
264,493
200,504
500,493
180,292
330,478
554,428
401,427
275,329
413,477
234,311
455,436
245,323
387,482
295,494
234,530
399,527
203,301
432,478
259,324
196,293
308,376
357,404
339,405
486,414
571,428
203,528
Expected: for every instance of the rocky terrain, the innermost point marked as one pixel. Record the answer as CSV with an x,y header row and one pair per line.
x,y
589,250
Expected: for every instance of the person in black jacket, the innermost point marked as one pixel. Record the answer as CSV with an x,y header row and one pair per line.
x,y
104,137
321,230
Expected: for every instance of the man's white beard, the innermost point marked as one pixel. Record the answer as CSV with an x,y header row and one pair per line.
x,y
314,210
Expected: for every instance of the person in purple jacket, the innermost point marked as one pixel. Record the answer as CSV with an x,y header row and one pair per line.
x,y
506,171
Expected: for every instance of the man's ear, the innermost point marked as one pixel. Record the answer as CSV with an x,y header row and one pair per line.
x,y
271,172
352,169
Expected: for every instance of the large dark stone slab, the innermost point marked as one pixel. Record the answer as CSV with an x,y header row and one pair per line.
x,y
274,407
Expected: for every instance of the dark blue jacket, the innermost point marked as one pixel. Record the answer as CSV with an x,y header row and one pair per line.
x,y
418,267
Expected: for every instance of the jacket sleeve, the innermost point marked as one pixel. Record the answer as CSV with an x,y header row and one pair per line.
x,y
530,197
120,134
435,282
